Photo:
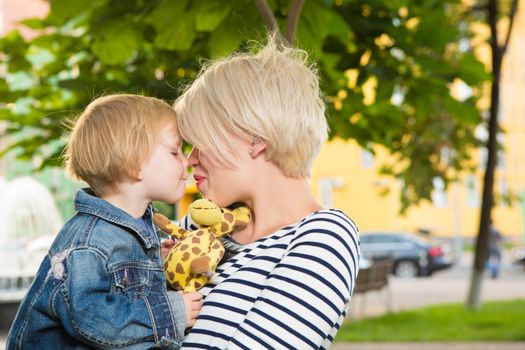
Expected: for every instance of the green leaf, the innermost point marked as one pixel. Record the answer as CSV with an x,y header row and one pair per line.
x,y
209,13
323,21
45,41
471,70
6,114
308,39
34,23
226,38
463,111
64,10
428,34
395,4
116,42
175,25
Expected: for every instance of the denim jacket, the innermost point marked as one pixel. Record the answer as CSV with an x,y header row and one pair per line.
x,y
101,285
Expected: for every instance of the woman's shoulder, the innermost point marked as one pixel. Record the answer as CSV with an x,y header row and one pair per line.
x,y
325,224
327,218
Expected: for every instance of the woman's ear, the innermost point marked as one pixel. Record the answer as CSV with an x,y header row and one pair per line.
x,y
257,146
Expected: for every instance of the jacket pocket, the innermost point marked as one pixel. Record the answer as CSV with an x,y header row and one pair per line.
x,y
131,279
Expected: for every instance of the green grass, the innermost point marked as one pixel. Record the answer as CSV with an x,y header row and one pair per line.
x,y
496,321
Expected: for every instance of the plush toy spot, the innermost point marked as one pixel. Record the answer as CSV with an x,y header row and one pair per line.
x,y
228,217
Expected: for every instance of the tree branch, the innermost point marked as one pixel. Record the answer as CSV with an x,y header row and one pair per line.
x,y
473,10
493,11
512,15
478,8
293,19
267,15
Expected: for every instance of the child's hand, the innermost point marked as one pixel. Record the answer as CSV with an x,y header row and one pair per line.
x,y
193,303
165,248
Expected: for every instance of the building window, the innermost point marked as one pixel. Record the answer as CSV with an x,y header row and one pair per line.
x,y
483,158
501,160
439,196
326,187
367,159
472,192
503,193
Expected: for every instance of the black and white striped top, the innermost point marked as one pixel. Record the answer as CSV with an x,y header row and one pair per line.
x,y
288,290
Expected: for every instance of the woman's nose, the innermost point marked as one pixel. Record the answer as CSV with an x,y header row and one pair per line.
x,y
193,157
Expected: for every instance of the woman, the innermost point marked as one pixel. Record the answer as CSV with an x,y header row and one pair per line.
x,y
257,122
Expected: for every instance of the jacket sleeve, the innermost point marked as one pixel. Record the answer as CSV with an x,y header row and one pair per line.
x,y
95,314
305,298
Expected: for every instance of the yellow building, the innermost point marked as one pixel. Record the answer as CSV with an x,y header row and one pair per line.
x,y
346,176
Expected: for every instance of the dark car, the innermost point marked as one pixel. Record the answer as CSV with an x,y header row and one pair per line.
x,y
411,255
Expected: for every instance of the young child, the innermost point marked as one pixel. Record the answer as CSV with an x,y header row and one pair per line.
x,y
102,284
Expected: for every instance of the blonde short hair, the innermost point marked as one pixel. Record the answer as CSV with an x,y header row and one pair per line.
x,y
113,137
272,95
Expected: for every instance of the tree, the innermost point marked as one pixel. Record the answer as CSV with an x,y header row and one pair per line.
x,y
386,71
493,15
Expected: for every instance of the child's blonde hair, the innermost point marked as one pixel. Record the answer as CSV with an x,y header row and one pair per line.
x,y
271,95
114,136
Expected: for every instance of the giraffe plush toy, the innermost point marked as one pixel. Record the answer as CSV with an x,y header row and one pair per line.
x,y
193,259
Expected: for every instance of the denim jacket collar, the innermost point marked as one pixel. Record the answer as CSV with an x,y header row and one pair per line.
x,y
87,202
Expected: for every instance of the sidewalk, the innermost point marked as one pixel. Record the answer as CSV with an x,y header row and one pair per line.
x,y
449,286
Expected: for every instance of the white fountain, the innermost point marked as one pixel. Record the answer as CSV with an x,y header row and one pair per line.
x,y
29,221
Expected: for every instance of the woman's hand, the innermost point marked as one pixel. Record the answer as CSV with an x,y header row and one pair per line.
x,y
193,303
166,247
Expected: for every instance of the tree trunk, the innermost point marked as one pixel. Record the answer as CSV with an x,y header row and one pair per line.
x,y
483,239
474,296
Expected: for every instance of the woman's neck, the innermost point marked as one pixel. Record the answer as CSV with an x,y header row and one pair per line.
x,y
282,203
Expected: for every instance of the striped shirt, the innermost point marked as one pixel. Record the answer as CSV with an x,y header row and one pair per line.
x,y
288,290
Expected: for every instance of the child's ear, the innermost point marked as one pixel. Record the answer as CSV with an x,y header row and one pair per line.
x,y
140,175
136,174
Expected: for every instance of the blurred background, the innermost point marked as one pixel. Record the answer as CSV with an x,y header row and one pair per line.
x,y
427,142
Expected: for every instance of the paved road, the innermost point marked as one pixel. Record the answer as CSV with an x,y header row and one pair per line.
x,y
449,286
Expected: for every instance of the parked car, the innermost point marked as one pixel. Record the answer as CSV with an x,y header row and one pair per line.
x,y
411,255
